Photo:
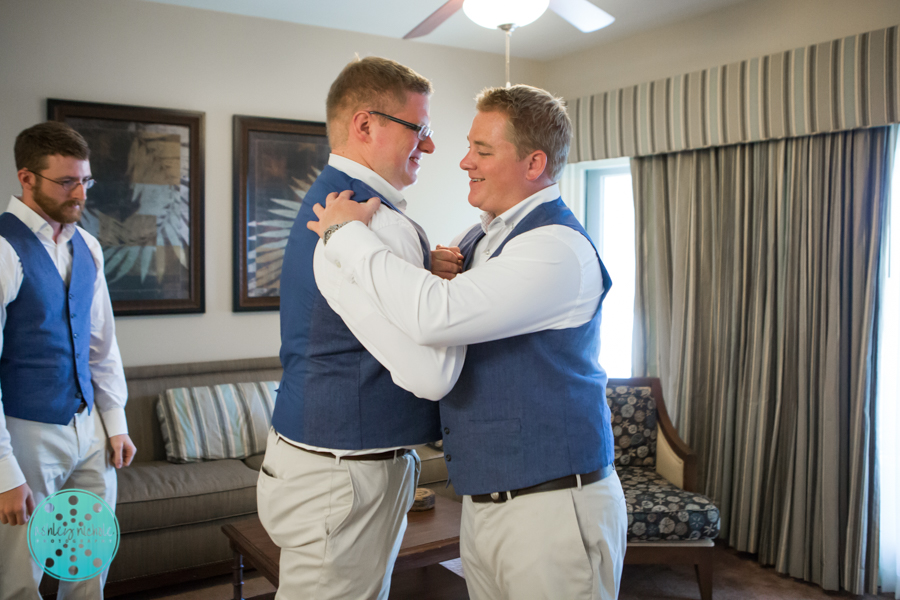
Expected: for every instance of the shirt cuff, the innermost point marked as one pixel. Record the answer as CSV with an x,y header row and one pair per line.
x,y
114,421
11,475
350,244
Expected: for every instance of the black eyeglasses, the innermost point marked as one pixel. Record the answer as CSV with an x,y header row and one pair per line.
x,y
69,183
423,131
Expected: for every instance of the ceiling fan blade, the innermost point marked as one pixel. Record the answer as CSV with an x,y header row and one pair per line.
x,y
582,14
436,18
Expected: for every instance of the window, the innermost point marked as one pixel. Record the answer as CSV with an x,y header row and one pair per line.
x,y
608,211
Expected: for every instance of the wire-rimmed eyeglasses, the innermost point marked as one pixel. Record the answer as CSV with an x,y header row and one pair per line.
x,y
70,183
423,131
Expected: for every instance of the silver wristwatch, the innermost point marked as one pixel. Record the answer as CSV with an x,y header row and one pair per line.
x,y
330,231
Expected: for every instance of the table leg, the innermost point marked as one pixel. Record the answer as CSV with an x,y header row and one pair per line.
x,y
237,575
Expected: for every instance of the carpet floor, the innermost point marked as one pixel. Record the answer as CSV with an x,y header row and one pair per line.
x,y
737,577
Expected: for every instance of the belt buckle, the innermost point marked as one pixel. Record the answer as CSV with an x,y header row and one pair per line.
x,y
500,497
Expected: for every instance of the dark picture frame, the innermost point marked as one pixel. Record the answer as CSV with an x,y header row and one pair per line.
x,y
275,163
147,207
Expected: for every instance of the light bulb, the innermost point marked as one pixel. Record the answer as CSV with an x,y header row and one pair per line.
x,y
493,13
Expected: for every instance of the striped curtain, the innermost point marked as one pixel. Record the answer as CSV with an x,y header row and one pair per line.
x,y
849,83
756,304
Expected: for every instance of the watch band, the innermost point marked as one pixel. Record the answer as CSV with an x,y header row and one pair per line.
x,y
330,231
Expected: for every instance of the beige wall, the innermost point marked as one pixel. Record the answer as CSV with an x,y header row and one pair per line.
x,y
130,52
750,29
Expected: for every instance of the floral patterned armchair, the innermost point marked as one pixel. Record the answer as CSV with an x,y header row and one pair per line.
x,y
669,521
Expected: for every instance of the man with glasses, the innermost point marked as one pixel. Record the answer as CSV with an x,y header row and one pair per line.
x,y
339,474
527,435
61,378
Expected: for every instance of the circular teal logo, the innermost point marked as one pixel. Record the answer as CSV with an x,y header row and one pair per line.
x,y
73,535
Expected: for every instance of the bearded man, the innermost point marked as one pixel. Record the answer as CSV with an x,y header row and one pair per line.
x,y
61,377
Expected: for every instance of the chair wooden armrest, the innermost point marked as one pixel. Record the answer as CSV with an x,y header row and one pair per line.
x,y
674,458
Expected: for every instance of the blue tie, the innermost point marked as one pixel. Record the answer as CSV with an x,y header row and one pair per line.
x,y
468,243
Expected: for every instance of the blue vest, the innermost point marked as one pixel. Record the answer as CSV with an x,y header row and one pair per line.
x,y
44,369
333,393
529,408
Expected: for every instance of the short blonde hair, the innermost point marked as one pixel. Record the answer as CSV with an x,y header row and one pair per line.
x,y
537,121
372,83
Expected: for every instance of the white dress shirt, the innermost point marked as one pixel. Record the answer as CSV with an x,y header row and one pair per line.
x,y
427,372
546,278
107,374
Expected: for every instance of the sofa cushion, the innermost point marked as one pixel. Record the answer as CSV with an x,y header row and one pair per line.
x,y
154,495
255,461
434,469
658,510
633,414
217,421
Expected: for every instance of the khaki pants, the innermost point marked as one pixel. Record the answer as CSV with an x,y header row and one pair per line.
x,y
339,524
55,457
549,545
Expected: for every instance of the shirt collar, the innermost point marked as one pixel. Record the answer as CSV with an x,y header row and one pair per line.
x,y
36,223
512,216
369,177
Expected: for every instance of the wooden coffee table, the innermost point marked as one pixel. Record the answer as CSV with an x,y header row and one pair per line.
x,y
431,537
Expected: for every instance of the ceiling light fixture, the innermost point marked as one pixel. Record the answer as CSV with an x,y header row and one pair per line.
x,y
497,13
507,15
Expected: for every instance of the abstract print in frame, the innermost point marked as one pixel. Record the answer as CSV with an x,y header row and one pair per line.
x,y
147,206
275,163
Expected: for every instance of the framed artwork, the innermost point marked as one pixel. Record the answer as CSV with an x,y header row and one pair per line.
x,y
275,163
146,208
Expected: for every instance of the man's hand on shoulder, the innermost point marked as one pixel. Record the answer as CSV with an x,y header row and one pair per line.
x,y
339,208
16,505
446,261
121,450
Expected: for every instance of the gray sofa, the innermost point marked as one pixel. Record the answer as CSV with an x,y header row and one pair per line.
x,y
170,515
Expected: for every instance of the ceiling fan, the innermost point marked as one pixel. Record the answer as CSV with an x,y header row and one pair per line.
x,y
507,15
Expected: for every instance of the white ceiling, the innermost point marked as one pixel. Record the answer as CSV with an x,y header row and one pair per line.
x,y
547,38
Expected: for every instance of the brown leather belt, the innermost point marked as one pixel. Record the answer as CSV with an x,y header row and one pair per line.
x,y
563,483
389,455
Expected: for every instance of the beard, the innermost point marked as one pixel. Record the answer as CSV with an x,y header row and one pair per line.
x,y
65,213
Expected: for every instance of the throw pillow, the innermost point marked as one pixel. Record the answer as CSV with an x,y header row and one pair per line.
x,y
218,421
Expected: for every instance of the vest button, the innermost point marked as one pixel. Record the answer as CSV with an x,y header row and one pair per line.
x,y
448,457
73,316
74,335
78,395
71,296
446,430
